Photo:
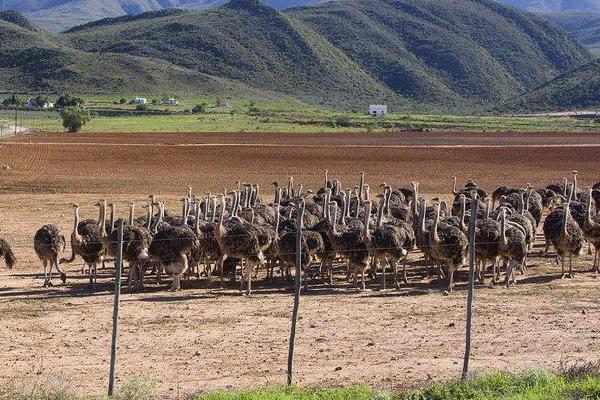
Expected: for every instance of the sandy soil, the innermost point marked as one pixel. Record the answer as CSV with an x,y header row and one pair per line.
x,y
205,338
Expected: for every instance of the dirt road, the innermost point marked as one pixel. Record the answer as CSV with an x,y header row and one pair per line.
x,y
206,338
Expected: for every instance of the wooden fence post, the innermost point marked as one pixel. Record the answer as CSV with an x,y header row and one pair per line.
x,y
298,284
113,346
472,261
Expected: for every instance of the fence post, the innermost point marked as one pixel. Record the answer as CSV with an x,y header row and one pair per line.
x,y
113,346
298,284
472,261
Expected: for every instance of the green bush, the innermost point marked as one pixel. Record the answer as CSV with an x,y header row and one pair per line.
x,y
343,121
199,109
68,101
142,107
74,118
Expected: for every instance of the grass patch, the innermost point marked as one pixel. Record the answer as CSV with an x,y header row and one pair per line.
x,y
578,381
284,118
349,393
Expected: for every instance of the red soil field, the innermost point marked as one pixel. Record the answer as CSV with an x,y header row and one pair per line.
x,y
206,338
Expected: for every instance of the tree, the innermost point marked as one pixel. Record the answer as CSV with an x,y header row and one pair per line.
x,y
74,118
13,101
142,107
68,101
199,109
122,101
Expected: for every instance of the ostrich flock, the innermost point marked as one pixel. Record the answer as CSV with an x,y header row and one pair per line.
x,y
364,236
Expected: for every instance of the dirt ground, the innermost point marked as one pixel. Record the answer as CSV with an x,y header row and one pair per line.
x,y
206,338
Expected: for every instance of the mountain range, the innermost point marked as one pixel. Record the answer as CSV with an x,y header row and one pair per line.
x,y
58,15
552,6
425,54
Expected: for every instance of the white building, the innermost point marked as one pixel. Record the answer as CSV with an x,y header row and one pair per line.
x,y
171,102
378,109
140,100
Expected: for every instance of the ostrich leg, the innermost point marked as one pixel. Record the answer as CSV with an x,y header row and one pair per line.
x,y
50,273
383,271
45,262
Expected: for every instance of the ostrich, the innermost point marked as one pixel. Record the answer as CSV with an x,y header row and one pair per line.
x,y
591,230
170,247
449,246
471,190
566,237
387,241
48,243
86,242
501,192
239,239
351,243
312,245
512,247
7,253
487,237
136,243
422,235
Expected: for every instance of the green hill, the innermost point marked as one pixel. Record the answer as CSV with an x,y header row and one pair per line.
x,y
584,26
448,53
243,41
577,89
32,60
414,54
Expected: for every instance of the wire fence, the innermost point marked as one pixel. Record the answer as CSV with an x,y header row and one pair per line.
x,y
296,310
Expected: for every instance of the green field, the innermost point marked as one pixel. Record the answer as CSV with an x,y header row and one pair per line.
x,y
530,385
297,118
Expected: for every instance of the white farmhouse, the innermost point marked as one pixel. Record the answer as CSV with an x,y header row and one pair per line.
x,y
171,102
140,100
378,109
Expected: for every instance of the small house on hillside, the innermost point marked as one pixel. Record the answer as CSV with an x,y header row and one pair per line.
x,y
224,103
140,100
171,102
378,109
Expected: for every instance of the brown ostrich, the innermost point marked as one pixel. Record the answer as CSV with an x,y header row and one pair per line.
x,y
48,243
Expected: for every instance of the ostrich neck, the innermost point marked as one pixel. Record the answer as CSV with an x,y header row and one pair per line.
x,y
361,188
277,219
588,211
386,203
503,229
102,220
111,218
414,203
422,216
454,186
463,211
76,224
380,215
131,215
435,237
567,210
